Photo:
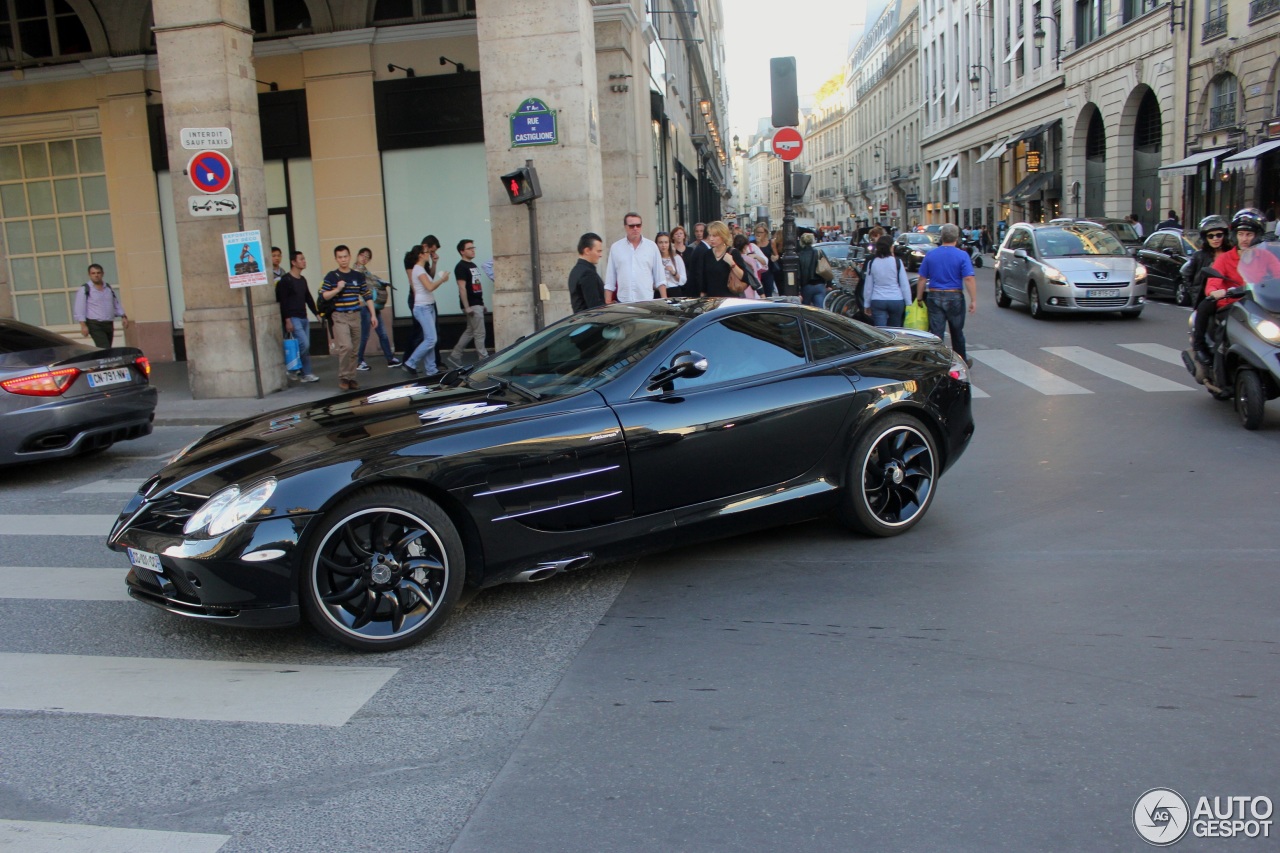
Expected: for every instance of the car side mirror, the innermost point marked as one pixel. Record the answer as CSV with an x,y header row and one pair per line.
x,y
686,365
1168,252
1020,253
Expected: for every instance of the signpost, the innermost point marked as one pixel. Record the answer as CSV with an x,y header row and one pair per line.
x,y
210,171
787,144
205,137
533,124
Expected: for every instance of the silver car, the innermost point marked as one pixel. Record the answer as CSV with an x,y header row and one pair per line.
x,y
1068,268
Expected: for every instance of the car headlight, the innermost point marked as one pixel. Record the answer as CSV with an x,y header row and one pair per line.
x,y
1139,272
917,253
1265,328
1055,275
229,508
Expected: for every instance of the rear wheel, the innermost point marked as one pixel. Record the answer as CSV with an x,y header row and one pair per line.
x,y
1033,303
1250,398
977,261
1182,292
889,485
383,571
1002,299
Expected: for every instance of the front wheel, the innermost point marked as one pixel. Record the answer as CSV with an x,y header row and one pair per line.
x,y
1250,398
1182,293
1033,303
383,570
889,485
977,261
1003,299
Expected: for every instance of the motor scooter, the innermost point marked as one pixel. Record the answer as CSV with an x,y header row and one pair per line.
x,y
974,250
1246,348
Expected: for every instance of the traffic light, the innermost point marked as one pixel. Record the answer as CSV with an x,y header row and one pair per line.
x,y
521,186
782,89
799,184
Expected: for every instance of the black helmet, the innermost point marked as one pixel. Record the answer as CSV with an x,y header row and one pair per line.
x,y
1249,219
1213,222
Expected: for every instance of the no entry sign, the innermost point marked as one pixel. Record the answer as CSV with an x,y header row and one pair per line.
x,y
209,171
788,143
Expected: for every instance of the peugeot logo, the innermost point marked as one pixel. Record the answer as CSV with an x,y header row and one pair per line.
x,y
1100,276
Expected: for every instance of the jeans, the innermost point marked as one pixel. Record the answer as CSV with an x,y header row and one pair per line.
x,y
888,312
302,334
813,294
426,351
382,336
946,311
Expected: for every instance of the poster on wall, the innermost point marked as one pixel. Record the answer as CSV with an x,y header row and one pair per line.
x,y
245,266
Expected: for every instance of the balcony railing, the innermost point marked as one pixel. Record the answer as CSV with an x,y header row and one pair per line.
x,y
1262,8
901,52
1214,27
1223,116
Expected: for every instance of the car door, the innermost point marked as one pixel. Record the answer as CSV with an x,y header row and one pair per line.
x,y
1013,269
760,415
1156,255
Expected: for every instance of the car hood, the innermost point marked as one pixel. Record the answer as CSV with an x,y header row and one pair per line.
x,y
336,429
1117,266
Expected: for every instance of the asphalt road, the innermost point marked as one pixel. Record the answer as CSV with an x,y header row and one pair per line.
x,y
1087,613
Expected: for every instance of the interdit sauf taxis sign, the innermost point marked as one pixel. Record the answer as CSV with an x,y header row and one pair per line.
x,y
1162,817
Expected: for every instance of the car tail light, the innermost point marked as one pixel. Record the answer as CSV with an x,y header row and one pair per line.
x,y
46,383
144,364
959,370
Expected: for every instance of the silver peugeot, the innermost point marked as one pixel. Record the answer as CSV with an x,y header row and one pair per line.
x,y
1068,268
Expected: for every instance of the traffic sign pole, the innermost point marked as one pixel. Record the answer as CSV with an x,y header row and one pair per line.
x,y
788,144
248,301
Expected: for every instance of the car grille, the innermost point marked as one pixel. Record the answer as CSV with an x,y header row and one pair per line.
x,y
169,513
1107,302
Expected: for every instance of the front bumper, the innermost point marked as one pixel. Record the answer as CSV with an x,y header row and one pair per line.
x,y
1078,297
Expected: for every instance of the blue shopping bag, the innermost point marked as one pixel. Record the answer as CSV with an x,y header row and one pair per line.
x,y
292,360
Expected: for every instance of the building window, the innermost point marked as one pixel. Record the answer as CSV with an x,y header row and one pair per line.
x,y
56,221
279,18
1090,21
1262,8
32,32
1215,20
1222,101
1137,8
400,11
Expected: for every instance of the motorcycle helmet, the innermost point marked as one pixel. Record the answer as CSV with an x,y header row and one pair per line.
x,y
1249,219
1213,222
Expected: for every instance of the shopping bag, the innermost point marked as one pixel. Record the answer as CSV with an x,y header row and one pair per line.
x,y
917,316
292,360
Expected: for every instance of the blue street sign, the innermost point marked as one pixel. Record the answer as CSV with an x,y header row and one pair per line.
x,y
533,124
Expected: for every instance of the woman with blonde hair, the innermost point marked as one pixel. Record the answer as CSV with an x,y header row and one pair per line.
x,y
723,269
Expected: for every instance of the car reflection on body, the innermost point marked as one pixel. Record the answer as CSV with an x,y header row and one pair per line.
x,y
912,246
61,398
611,433
1163,254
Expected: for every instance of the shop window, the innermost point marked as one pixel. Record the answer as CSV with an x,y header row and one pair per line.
x,y
279,18
56,221
398,11
34,32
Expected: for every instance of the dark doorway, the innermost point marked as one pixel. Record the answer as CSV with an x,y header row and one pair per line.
x,y
1095,167
1147,132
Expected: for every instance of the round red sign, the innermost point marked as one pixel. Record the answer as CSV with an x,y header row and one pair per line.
x,y
209,171
787,143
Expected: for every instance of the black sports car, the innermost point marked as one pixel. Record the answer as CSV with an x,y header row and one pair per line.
x,y
613,432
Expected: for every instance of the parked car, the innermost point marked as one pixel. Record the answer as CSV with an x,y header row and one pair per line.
x,y
1163,254
1121,229
604,435
61,398
840,254
1068,268
912,246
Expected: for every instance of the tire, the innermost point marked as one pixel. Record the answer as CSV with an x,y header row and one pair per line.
x,y
977,261
382,571
1182,292
1131,315
889,484
1003,300
1250,398
1034,308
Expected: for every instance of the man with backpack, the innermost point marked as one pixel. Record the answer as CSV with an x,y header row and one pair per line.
x,y
96,308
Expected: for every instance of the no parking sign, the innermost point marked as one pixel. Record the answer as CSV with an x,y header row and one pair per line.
x,y
209,171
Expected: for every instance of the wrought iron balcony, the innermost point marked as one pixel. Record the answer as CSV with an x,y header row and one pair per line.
x,y
1262,8
1214,27
1223,116
895,173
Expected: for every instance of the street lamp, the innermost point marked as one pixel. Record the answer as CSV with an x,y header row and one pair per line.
x,y
1037,39
975,81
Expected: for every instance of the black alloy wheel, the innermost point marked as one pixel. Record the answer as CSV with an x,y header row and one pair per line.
x,y
1182,291
385,569
1033,303
891,476
1003,299
1250,399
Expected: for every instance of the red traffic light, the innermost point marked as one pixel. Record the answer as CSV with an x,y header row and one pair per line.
x,y
521,186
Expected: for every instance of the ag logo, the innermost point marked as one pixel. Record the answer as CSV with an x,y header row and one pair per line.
x,y
1161,816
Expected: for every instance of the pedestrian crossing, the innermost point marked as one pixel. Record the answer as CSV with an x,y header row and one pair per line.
x,y
1042,370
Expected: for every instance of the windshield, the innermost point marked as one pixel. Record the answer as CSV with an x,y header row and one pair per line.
x,y
1075,241
580,352
835,251
15,337
920,239
1260,269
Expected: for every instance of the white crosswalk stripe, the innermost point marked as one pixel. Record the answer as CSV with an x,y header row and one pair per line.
x,y
1169,355
107,487
39,837
1031,375
1116,370
56,525
63,584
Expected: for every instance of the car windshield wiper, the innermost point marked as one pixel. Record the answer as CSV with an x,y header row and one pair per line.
x,y
508,385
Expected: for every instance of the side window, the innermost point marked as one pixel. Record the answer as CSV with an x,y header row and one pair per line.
x,y
824,344
745,346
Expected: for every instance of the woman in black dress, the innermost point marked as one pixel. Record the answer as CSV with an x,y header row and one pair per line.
x,y
722,269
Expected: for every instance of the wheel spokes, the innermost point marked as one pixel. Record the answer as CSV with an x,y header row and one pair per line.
x,y
339,569
369,611
376,529
346,594
400,550
397,611
354,544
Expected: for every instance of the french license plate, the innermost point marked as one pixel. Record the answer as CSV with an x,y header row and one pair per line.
x,y
145,560
109,377
1103,294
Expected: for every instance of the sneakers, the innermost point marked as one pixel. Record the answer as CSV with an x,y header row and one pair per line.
x,y
311,377
452,360
364,365
394,362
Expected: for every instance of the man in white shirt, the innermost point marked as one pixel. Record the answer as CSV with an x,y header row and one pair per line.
x,y
634,272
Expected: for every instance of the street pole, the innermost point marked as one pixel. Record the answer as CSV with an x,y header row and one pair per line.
x,y
790,260
248,293
536,259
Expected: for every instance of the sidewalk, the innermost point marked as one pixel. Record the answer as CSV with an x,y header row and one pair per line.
x,y
176,406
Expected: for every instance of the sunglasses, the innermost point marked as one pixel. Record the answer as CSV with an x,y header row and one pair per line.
x,y
1216,235
634,224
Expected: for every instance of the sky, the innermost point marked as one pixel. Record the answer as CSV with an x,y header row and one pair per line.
x,y
815,32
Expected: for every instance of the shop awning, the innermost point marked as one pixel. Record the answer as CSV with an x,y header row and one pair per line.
x,y
1188,166
1029,186
1028,134
1245,160
995,150
946,168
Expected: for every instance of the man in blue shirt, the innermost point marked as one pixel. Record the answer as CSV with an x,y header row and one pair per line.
x,y
349,293
945,274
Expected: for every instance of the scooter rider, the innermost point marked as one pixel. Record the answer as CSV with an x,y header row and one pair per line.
x,y
1214,243
1255,264
1215,289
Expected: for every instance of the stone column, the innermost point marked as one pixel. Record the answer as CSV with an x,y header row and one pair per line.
x,y
544,50
207,76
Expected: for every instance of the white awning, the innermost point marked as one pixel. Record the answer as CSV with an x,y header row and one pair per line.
x,y
945,170
1013,51
1188,166
995,150
1244,161
942,164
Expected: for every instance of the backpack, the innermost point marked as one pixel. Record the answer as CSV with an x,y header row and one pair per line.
x,y
324,306
104,284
